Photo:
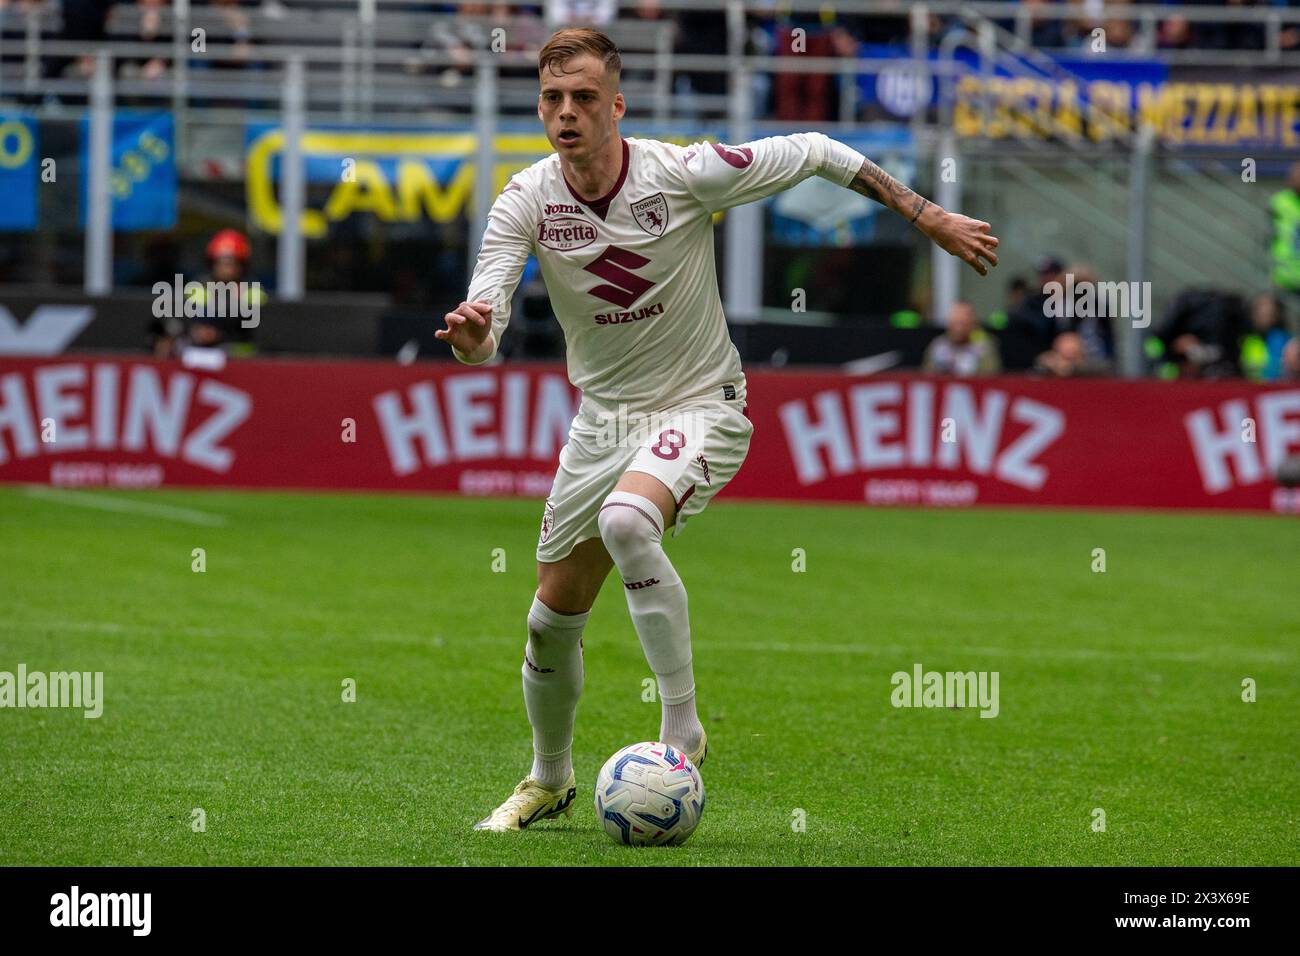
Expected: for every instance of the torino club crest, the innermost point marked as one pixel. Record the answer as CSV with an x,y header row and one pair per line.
x,y
548,520
651,214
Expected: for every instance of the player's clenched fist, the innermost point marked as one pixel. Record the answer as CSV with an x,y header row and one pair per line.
x,y
967,239
468,326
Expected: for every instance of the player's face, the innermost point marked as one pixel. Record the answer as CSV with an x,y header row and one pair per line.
x,y
580,108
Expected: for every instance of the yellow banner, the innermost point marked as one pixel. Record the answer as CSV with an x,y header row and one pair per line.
x,y
1206,114
390,174
396,176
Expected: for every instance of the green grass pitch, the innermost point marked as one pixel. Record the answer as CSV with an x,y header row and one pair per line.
x,y
1119,690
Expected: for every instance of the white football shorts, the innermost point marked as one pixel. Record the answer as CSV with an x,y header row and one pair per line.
x,y
694,448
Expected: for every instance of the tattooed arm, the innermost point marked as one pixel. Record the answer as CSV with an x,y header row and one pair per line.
x,y
967,239
722,176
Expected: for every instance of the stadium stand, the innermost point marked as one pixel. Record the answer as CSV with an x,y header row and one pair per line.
x,y
1081,181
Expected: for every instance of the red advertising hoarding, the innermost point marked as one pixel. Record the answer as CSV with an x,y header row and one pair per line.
x,y
80,421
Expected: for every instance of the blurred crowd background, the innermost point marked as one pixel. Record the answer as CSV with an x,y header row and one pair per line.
x,y
1061,203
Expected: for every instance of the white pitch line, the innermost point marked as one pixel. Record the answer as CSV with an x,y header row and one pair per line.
x,y
1053,653
908,652
86,499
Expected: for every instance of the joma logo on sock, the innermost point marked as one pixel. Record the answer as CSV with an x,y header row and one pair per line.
x,y
103,909
541,670
638,585
950,689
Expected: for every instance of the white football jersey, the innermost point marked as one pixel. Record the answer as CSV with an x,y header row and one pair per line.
x,y
631,276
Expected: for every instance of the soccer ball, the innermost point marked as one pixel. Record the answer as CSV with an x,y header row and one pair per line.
x,y
649,795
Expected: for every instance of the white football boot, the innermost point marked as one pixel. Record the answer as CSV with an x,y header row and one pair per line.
x,y
697,758
530,803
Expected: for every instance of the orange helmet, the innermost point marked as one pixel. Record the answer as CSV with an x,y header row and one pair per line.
x,y
230,242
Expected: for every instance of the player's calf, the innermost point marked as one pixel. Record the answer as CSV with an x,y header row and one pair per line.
x,y
631,527
552,675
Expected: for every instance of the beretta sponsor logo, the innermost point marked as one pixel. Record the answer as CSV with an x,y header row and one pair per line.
x,y
565,233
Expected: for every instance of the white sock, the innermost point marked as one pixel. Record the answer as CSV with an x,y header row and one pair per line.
x,y
552,673
631,528
680,724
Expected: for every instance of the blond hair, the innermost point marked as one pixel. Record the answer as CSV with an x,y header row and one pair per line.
x,y
564,45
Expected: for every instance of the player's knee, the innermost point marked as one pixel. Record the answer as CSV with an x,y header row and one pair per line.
x,y
562,598
624,527
537,634
546,635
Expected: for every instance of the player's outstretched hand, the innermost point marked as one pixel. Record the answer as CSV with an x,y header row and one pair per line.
x,y
967,239
468,326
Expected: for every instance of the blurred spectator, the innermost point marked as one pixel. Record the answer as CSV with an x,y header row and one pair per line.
x,y
458,39
877,28
1200,335
204,332
1034,316
83,23
1030,316
1289,38
580,13
1285,208
647,13
1119,32
1262,346
463,37
150,32
1231,36
1017,290
1068,357
229,255
1078,31
964,348
1175,33
1291,360
236,20
1096,331
700,33
1044,31
165,337
803,97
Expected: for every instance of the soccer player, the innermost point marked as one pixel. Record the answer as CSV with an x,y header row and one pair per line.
x,y
623,232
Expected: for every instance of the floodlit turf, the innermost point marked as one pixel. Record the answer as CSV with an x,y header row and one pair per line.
x,y
1119,691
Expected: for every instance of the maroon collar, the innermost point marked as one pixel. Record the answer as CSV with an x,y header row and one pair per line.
x,y
601,206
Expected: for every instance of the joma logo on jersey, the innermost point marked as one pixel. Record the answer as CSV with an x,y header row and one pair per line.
x,y
622,287
559,207
565,233
618,318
